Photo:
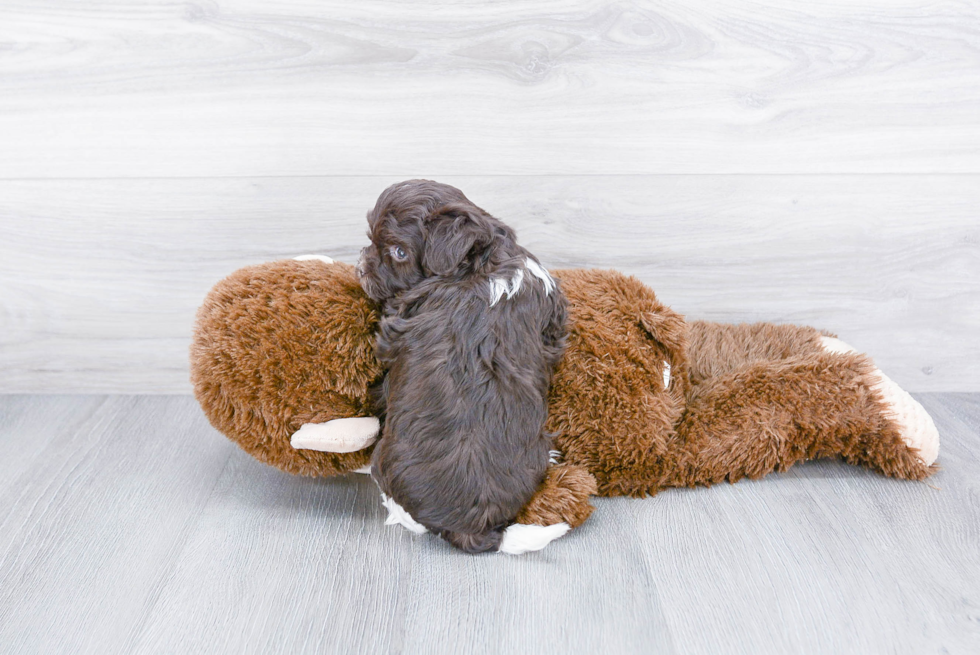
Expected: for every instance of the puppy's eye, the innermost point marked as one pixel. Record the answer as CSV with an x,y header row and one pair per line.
x,y
397,253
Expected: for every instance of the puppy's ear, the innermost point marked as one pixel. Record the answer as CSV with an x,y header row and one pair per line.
x,y
454,235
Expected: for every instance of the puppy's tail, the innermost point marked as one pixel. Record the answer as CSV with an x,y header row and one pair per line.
x,y
479,542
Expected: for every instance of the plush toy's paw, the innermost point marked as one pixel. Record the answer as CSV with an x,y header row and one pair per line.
x,y
519,538
563,496
342,435
918,429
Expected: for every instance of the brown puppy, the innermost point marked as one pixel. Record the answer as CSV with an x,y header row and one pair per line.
x,y
472,329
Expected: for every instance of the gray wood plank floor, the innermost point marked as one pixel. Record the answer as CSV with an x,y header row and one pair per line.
x,y
127,524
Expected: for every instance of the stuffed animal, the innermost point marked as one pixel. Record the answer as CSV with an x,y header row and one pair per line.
x,y
282,360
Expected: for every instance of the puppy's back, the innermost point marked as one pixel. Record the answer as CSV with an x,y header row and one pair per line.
x,y
464,447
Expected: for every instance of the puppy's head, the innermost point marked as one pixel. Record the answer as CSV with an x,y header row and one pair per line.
x,y
421,229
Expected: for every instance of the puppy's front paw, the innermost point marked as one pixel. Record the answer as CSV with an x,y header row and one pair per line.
x,y
398,516
520,538
342,435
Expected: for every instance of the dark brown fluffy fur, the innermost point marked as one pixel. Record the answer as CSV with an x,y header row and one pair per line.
x,y
744,400
465,397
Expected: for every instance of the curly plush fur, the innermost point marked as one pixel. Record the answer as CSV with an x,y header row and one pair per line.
x,y
287,343
282,344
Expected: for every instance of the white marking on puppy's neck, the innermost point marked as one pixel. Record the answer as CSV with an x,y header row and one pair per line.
x,y
538,271
499,286
520,538
397,515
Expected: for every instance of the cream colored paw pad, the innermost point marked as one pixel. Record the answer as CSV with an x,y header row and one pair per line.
x,y
918,429
342,435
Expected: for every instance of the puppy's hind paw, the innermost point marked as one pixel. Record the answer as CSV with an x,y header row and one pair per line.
x,y
520,538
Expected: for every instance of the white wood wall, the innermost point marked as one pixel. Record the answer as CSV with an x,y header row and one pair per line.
x,y
813,162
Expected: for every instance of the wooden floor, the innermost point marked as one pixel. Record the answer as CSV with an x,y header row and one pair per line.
x,y
127,524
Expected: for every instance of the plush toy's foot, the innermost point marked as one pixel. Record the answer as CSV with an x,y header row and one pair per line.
x,y
917,427
314,258
563,496
342,435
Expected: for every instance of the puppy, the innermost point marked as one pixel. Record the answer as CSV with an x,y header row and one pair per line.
x,y
472,327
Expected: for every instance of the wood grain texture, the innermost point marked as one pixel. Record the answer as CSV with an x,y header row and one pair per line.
x,y
887,566
90,525
292,565
99,280
134,527
245,87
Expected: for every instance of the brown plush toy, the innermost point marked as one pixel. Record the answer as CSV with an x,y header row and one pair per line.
x,y
282,358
